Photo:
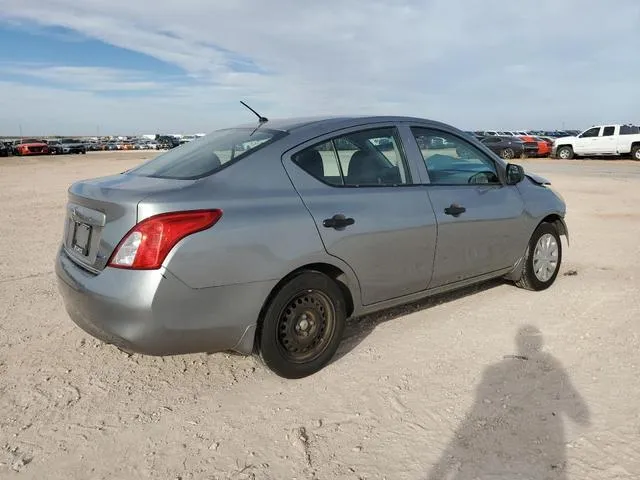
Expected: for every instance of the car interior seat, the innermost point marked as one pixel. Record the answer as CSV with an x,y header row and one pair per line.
x,y
364,169
311,162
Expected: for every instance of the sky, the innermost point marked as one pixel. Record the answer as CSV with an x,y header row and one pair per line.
x,y
70,67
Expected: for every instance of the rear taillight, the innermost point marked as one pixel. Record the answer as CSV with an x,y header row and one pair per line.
x,y
147,244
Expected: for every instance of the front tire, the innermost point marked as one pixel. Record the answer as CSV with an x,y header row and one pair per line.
x,y
542,259
565,153
302,326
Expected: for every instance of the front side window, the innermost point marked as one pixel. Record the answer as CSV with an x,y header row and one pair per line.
x,y
206,155
592,132
365,158
460,163
608,131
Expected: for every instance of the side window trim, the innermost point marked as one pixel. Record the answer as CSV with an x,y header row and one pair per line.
x,y
331,137
494,163
337,155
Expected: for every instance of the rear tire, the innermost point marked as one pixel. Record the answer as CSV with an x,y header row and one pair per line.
x,y
302,326
565,153
542,259
507,154
635,153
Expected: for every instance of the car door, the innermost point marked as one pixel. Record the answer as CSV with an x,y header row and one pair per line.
x,y
606,143
359,189
586,142
481,221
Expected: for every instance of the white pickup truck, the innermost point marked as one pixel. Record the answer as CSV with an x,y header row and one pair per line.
x,y
600,140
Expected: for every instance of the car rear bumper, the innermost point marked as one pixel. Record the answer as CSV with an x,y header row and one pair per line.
x,y
154,313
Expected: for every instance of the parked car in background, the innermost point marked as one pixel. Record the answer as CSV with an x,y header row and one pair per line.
x,y
4,150
31,146
73,145
55,147
139,145
600,140
506,147
544,147
167,142
186,252
533,146
549,141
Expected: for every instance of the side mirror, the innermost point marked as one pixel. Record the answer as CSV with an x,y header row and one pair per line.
x,y
515,174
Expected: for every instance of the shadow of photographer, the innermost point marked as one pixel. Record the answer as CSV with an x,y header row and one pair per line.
x,y
515,428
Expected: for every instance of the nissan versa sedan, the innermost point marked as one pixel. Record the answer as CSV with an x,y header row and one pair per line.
x,y
266,238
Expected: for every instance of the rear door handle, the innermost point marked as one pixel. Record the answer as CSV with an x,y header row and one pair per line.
x,y
338,221
454,210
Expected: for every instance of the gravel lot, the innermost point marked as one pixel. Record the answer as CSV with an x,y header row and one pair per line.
x,y
419,386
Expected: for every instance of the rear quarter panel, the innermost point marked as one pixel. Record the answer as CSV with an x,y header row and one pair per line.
x,y
626,141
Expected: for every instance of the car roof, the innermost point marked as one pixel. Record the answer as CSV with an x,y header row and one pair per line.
x,y
295,123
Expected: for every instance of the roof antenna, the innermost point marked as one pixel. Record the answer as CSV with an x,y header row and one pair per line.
x,y
261,119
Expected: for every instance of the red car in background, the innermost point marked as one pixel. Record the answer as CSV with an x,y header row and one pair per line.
x,y
31,146
544,149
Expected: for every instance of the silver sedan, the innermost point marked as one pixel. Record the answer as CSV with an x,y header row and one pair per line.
x,y
266,238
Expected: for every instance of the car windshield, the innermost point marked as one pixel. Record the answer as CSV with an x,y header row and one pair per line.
x,y
206,155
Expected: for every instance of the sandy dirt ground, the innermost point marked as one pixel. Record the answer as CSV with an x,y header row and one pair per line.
x,y
427,391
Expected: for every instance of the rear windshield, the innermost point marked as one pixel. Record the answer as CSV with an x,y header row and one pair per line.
x,y
206,155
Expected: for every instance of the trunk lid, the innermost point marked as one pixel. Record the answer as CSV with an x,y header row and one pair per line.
x,y
101,211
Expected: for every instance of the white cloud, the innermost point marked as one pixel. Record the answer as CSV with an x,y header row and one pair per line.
x,y
93,79
492,64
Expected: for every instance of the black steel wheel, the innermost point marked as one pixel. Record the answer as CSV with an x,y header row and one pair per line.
x,y
302,325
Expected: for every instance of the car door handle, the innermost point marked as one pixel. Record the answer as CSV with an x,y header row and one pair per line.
x,y
454,210
338,221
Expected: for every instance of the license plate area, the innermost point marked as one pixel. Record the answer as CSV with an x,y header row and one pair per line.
x,y
81,238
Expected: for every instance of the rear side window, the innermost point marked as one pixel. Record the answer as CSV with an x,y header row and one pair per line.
x,y
608,131
365,158
206,155
629,130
